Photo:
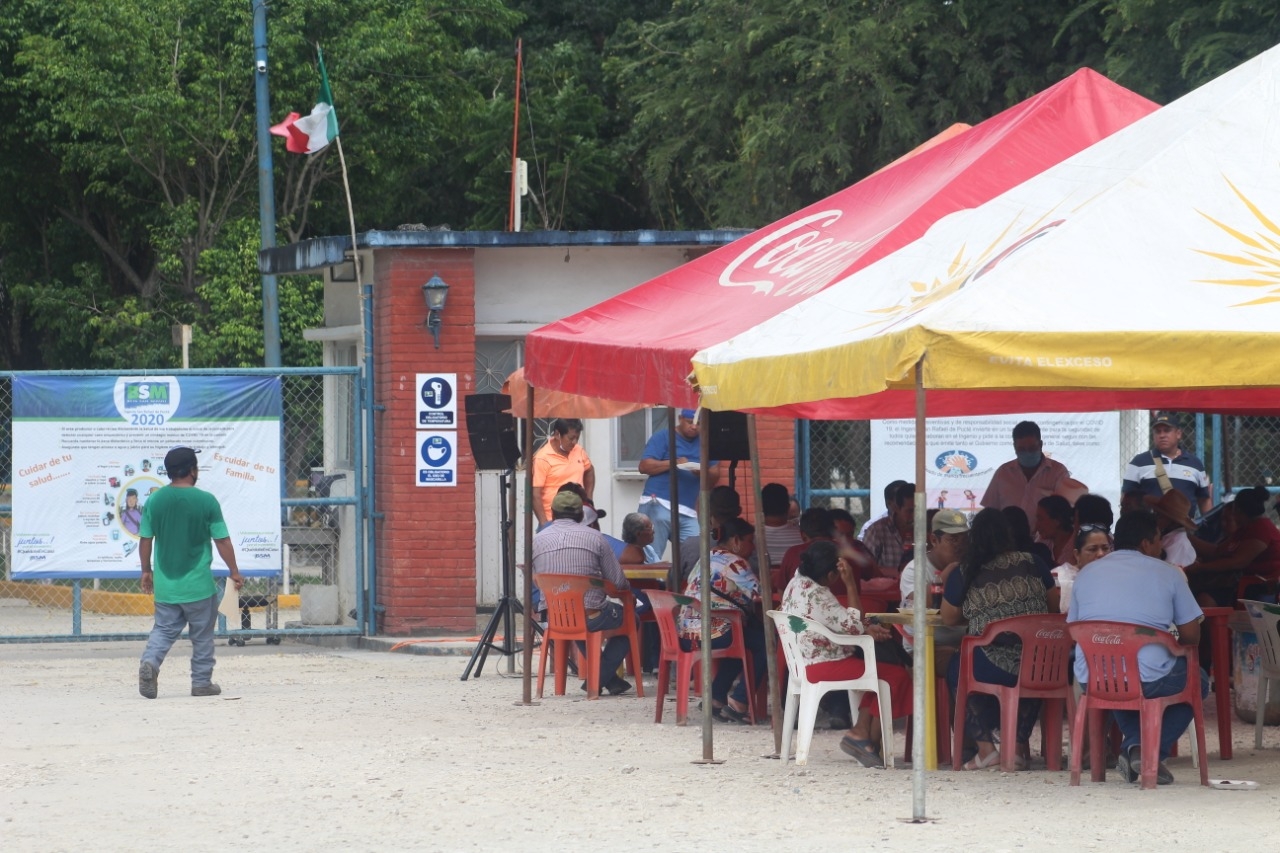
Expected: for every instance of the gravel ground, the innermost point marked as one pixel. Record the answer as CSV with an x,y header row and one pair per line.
x,y
311,749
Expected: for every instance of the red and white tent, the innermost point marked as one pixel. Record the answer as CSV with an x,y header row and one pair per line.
x,y
638,345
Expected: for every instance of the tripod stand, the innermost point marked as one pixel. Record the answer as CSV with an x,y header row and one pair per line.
x,y
508,604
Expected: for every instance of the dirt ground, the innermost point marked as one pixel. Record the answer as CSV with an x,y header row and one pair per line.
x,y
312,749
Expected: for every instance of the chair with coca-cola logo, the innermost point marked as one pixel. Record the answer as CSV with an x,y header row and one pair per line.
x,y
1110,651
1042,674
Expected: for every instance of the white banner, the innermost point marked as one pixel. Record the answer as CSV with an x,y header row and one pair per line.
x,y
961,454
88,452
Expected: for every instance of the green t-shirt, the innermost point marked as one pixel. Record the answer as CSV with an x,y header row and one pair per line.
x,y
182,520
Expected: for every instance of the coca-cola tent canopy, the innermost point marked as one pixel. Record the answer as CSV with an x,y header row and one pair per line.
x,y
638,345
1144,271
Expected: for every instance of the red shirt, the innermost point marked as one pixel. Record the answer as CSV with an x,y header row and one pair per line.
x,y
1266,564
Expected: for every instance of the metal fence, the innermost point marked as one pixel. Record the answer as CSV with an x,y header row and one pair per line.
x,y
834,457
322,585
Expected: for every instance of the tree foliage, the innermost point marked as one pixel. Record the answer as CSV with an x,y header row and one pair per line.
x,y
129,149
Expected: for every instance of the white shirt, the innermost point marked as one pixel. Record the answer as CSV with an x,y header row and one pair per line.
x,y
1178,549
1010,487
778,539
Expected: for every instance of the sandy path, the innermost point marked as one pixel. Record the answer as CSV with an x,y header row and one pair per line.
x,y
312,749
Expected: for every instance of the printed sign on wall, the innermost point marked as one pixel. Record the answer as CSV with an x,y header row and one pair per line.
x,y
437,402
88,452
437,458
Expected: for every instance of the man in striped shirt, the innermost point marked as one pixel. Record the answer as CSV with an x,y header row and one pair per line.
x,y
1141,487
566,547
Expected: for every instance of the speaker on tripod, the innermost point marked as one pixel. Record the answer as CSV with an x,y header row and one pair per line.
x,y
491,431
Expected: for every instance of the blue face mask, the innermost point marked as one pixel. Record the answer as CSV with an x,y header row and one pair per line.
x,y
1030,458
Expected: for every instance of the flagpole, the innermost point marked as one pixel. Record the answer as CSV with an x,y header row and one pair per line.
x,y
351,218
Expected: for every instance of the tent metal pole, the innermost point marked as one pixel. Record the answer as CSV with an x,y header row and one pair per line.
x,y
527,676
704,564
921,600
673,474
766,586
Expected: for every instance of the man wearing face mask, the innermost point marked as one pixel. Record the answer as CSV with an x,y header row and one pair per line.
x,y
1023,481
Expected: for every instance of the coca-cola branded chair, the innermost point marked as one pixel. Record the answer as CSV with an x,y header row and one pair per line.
x,y
1046,654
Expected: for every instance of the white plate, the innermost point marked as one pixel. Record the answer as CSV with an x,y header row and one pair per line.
x,y
1233,785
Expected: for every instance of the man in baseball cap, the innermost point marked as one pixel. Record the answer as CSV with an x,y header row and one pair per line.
x,y
566,547
948,538
1167,466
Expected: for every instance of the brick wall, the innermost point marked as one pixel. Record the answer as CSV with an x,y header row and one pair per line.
x,y
426,541
776,438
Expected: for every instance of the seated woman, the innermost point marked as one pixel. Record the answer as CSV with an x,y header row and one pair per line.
x,y
995,581
1251,547
733,585
809,595
1056,528
637,536
1091,542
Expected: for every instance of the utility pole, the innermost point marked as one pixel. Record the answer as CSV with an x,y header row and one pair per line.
x,y
266,186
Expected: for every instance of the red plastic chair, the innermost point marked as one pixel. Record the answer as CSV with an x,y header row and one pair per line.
x,y
567,624
664,606
1046,653
1111,651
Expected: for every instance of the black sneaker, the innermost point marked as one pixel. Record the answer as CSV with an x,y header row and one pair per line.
x,y
148,680
205,690
1130,764
1131,767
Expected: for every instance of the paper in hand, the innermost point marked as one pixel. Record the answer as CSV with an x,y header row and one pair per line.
x,y
230,604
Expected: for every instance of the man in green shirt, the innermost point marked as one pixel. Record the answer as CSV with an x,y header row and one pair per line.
x,y
178,523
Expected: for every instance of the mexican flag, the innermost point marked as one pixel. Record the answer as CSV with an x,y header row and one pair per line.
x,y
309,134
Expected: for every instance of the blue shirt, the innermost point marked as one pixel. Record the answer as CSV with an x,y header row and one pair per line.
x,y
1128,586
659,485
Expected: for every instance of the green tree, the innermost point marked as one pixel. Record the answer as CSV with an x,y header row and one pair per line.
x,y
1165,48
133,126
742,114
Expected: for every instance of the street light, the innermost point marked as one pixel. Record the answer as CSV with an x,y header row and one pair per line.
x,y
434,293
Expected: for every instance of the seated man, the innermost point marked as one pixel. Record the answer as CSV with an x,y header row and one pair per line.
x,y
1132,584
724,504
566,547
780,532
637,538
891,539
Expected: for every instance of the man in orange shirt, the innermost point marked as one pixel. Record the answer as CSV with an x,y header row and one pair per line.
x,y
561,460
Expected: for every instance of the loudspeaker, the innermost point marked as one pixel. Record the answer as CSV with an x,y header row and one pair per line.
x,y
491,431
728,436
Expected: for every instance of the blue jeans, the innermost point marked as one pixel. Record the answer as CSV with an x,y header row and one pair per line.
x,y
199,618
661,518
1176,717
615,648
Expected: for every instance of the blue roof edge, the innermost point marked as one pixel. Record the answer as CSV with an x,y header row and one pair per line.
x,y
315,254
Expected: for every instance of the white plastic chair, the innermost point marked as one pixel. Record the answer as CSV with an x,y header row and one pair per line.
x,y
803,696
1265,618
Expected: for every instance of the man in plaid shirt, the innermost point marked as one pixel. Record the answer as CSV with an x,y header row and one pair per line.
x,y
566,547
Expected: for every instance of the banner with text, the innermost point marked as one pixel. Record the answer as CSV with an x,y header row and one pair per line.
x,y
88,451
961,454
